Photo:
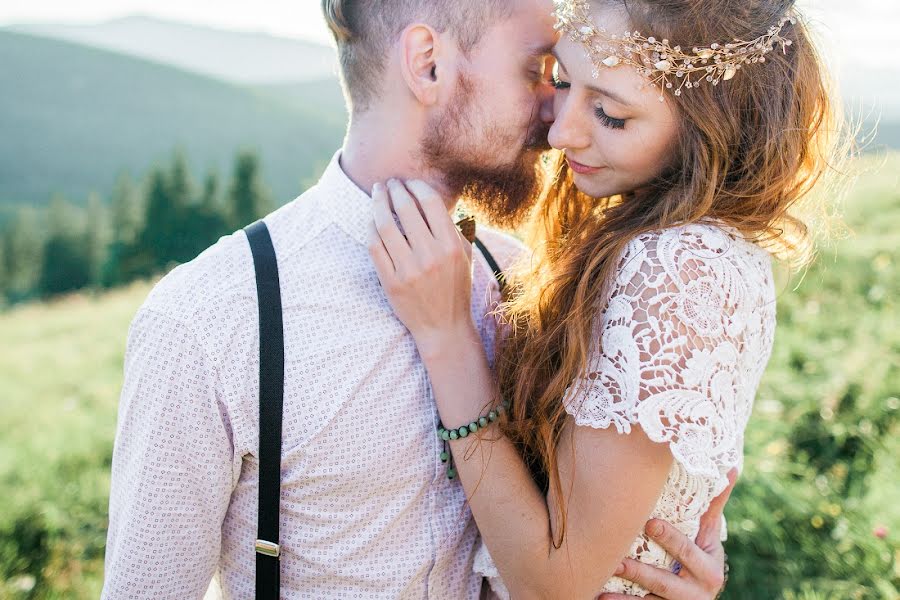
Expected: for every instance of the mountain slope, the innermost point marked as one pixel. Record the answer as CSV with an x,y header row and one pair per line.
x,y
249,58
73,116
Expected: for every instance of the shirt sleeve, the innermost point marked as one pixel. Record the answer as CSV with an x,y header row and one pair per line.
x,y
666,354
172,466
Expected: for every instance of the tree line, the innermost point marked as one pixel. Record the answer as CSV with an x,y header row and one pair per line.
x,y
142,229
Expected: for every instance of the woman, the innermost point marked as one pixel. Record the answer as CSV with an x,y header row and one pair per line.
x,y
641,325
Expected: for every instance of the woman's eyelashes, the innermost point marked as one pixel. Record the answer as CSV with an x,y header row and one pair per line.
x,y
605,119
608,121
559,83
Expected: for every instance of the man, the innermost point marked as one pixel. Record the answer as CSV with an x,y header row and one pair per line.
x,y
452,93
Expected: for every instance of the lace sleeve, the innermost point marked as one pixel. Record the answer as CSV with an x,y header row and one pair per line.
x,y
667,349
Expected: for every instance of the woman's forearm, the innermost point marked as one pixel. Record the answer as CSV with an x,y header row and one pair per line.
x,y
511,512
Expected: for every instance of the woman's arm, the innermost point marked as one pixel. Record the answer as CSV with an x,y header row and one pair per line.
x,y
610,481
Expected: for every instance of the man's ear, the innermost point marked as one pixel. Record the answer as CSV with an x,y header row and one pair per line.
x,y
420,48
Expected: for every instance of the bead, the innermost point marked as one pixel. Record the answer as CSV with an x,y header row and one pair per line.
x,y
444,457
473,426
445,435
463,431
482,422
454,435
492,415
505,404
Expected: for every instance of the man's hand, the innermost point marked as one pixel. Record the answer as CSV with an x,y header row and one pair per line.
x,y
702,574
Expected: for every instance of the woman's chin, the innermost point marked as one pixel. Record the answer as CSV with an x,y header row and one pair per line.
x,y
593,185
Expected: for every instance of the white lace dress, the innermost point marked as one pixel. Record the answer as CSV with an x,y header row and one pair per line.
x,y
684,339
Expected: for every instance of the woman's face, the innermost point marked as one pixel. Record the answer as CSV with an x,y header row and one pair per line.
x,y
616,134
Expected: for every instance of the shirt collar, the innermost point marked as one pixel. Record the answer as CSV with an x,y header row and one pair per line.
x,y
347,205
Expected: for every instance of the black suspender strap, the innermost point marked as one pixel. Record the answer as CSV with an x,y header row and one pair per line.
x,y
498,272
271,400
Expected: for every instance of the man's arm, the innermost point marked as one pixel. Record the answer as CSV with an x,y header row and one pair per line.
x,y
171,467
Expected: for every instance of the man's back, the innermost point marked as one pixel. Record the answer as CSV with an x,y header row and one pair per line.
x,y
367,509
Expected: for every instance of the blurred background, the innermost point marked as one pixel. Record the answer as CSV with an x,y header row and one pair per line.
x,y
135,133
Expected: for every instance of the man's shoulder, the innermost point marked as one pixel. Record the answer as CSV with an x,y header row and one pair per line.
x,y
223,269
224,273
504,247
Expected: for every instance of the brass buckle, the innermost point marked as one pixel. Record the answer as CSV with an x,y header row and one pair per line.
x,y
268,548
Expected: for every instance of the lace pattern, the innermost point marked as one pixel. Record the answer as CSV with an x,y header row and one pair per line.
x,y
684,338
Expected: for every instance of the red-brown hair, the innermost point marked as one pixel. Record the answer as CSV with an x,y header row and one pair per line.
x,y
749,153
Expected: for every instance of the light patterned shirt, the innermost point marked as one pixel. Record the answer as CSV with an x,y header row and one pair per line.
x,y
367,510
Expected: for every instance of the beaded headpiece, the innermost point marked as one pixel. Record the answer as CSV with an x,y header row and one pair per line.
x,y
665,66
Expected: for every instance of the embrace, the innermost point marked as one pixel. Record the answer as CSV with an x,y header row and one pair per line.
x,y
558,414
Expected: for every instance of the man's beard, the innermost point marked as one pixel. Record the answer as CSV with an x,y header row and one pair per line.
x,y
502,195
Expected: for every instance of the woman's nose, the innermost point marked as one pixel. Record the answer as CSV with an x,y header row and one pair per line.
x,y
568,130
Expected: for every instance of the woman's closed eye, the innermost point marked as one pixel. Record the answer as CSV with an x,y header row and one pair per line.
x,y
608,121
559,83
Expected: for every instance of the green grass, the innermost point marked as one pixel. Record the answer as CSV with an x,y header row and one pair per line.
x,y
792,535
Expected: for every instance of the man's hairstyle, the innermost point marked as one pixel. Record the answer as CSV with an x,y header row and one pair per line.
x,y
364,30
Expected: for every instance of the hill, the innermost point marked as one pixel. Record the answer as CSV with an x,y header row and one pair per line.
x,y
73,116
239,57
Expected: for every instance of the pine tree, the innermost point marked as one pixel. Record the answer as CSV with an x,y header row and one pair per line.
x,y
180,184
247,196
66,262
97,237
24,245
125,210
159,222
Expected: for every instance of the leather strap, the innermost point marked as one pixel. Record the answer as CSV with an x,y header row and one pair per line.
x,y
271,400
498,272
271,403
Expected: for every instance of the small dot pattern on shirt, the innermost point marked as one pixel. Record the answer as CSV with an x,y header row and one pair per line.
x,y
366,510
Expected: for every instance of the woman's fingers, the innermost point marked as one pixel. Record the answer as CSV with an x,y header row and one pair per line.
x,y
678,545
407,211
434,209
384,266
394,242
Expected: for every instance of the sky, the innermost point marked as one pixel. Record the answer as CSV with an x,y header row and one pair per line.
x,y
858,33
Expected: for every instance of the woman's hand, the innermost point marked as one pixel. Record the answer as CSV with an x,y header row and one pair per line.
x,y
426,274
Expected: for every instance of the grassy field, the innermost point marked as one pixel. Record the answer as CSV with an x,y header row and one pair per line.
x,y
794,518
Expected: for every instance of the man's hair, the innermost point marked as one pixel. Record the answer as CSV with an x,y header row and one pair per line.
x,y
364,30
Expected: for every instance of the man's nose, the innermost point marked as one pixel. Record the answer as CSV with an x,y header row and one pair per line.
x,y
545,100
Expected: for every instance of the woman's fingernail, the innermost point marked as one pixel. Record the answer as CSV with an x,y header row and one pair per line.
x,y
655,529
620,569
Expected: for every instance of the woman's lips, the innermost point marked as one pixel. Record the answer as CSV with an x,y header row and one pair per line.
x,y
580,168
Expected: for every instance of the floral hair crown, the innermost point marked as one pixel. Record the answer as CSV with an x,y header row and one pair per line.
x,y
663,65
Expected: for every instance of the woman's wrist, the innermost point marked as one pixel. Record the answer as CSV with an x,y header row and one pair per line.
x,y
448,343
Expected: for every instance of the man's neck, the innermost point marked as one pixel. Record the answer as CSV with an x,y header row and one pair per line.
x,y
378,148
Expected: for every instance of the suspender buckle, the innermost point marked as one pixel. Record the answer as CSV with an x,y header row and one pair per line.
x,y
268,548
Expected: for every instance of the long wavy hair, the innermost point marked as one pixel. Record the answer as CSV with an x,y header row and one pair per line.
x,y
750,152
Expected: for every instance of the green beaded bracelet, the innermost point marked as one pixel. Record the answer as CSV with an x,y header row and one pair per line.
x,y
446,435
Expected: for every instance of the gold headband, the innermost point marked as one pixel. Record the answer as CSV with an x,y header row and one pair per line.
x,y
663,65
